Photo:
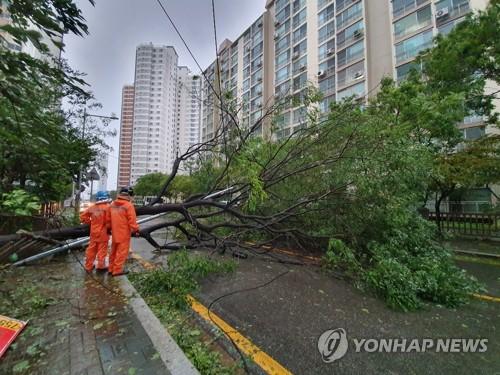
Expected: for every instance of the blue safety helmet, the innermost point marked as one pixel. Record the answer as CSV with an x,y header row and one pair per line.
x,y
101,196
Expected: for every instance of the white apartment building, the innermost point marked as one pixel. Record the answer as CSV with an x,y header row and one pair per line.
x,y
155,101
188,112
343,47
165,112
54,51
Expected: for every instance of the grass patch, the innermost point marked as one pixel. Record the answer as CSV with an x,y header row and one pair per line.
x,y
165,292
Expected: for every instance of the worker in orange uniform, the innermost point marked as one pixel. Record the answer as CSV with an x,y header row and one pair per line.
x,y
123,226
98,216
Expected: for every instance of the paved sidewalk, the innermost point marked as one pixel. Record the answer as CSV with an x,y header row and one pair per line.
x,y
79,324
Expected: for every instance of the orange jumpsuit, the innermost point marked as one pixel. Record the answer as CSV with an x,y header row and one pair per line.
x,y
98,216
123,224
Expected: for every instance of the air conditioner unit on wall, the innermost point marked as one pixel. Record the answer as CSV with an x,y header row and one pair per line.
x,y
321,73
330,51
358,74
442,13
295,55
358,33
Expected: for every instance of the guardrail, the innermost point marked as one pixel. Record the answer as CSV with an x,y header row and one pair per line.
x,y
472,224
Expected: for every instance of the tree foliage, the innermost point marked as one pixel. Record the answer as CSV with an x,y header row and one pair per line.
x,y
42,146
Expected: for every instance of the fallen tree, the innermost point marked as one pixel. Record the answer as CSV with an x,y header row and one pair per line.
x,y
348,184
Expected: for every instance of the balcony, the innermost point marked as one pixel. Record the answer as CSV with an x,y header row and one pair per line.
x,y
402,7
448,9
409,54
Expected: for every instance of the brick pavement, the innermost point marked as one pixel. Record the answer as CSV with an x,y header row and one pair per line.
x,y
87,329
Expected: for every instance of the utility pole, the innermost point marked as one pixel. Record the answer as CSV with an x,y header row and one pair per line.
x,y
80,172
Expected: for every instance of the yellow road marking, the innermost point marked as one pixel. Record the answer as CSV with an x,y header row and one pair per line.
x,y
266,362
486,298
147,265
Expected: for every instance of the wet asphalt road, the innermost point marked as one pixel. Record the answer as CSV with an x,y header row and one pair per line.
x,y
286,317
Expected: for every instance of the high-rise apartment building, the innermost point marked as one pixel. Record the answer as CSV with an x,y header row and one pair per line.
x,y
126,129
188,111
155,100
160,114
342,47
53,54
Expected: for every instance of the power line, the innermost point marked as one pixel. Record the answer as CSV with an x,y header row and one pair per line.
x,y
187,47
216,47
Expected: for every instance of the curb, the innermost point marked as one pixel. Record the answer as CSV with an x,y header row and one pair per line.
x,y
172,356
477,254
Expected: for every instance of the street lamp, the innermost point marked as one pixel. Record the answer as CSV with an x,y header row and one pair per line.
x,y
79,181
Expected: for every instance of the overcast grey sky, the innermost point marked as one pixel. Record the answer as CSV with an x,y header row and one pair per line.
x,y
117,26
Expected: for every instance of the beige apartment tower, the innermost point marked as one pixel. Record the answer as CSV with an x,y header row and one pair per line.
x,y
342,47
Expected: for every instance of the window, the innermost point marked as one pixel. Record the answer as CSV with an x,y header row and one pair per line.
x,y
282,44
328,66
300,82
282,120
300,48
282,58
326,15
341,4
282,89
324,105
322,3
327,86
446,29
257,37
349,15
400,7
351,53
326,32
473,133
350,34
280,4
326,50
297,4
282,15
257,63
282,74
282,29
351,74
356,90
403,70
257,50
300,33
413,22
256,103
246,72
455,8
299,115
257,76
413,46
300,65
299,18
